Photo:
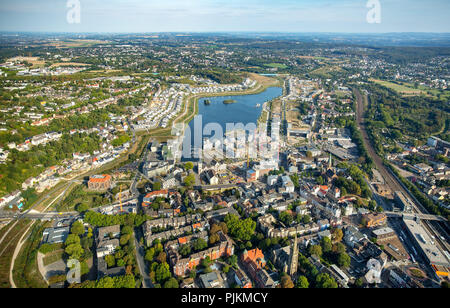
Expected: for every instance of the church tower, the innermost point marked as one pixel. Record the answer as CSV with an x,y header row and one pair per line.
x,y
330,163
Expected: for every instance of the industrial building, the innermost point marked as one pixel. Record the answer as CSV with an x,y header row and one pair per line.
x,y
427,246
55,235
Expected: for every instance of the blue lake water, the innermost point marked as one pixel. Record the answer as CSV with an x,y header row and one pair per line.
x,y
244,110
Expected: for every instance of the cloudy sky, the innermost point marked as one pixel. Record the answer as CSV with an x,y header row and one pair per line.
x,y
225,15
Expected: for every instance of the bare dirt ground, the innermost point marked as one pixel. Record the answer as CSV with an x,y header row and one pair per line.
x,y
68,64
33,60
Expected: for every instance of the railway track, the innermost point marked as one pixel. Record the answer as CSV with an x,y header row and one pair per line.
x,y
391,181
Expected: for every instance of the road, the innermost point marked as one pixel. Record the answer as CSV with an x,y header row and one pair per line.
x,y
140,258
34,215
419,216
391,181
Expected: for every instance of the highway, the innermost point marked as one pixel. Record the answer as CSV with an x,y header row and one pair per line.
x,y
391,181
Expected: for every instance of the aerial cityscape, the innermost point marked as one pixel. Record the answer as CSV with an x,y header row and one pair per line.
x,y
196,146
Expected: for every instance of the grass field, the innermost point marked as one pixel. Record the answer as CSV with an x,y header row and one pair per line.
x,y
407,89
276,65
326,71
314,58
264,80
417,273
60,64
402,89
104,72
342,94
79,195
53,257
35,61
76,43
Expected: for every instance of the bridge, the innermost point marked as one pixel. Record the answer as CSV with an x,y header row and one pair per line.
x,y
417,216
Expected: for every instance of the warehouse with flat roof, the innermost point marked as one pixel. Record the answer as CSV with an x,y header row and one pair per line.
x,y
426,244
55,235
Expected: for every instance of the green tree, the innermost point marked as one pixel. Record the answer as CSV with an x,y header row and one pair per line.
x,y
72,239
82,207
127,230
185,250
189,166
206,263
226,269
242,230
124,239
74,251
162,257
339,248
306,219
90,233
150,254
337,235
315,250
343,260
295,179
189,181
232,260
286,218
199,244
172,283
105,283
110,260
326,244
302,282
162,272
359,282
320,180
324,281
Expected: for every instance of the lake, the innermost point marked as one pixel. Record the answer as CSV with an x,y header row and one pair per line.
x,y
244,110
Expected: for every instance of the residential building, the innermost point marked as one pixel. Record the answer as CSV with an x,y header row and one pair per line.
x,y
100,182
254,261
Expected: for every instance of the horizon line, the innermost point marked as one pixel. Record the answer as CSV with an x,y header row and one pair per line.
x,y
214,32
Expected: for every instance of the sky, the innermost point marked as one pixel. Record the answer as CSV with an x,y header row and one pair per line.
x,y
293,16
